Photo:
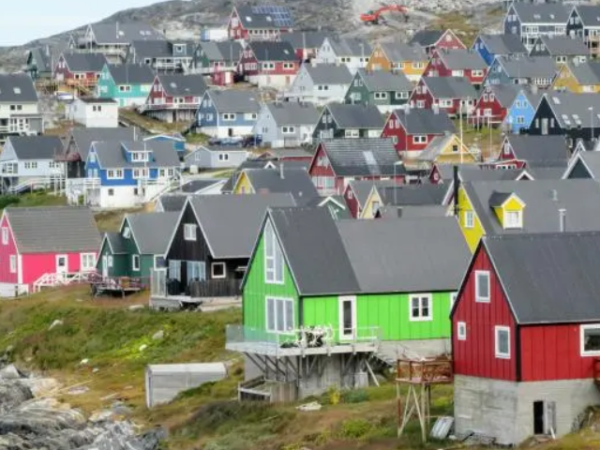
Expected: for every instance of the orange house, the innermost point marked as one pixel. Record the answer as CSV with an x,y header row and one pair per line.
x,y
399,56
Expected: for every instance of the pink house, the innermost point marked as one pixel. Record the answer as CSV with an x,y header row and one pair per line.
x,y
44,243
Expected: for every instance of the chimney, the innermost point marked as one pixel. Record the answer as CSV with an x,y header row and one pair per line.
x,y
554,195
281,171
456,185
436,109
562,215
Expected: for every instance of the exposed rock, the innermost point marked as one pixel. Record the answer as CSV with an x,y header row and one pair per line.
x,y
12,394
10,372
158,335
56,323
84,362
135,307
143,347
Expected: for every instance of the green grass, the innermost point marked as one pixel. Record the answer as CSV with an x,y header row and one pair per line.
x,y
38,198
152,125
197,139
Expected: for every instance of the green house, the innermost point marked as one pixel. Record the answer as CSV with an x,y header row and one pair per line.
x,y
385,90
343,294
138,247
128,84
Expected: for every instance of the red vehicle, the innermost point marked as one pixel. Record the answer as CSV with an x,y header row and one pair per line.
x,y
373,17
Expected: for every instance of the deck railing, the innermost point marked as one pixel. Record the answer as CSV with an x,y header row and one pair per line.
x,y
161,286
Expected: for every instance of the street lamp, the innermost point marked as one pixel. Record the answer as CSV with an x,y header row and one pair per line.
x,y
591,108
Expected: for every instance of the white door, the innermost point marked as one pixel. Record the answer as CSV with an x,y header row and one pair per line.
x,y
62,264
104,266
347,318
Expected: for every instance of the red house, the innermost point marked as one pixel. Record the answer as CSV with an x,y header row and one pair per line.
x,y
453,95
262,22
526,335
175,98
429,40
519,151
493,104
338,161
79,69
412,130
457,63
41,246
269,64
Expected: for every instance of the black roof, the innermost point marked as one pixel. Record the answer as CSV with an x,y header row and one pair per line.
x,y
273,51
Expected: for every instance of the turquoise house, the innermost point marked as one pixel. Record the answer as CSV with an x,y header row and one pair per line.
x,y
128,84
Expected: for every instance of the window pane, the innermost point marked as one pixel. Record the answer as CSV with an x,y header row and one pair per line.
x,y
347,315
270,314
280,315
278,265
503,342
483,285
268,240
415,307
425,307
591,339
289,315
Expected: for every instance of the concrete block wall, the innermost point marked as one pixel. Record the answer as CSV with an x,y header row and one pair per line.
x,y
426,348
504,410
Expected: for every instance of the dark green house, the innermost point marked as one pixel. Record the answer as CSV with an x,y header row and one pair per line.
x,y
341,120
138,247
385,90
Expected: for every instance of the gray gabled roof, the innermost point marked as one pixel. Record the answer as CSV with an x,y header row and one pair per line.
x,y
586,73
183,85
426,38
543,199
116,242
470,172
414,194
363,157
362,188
272,51
503,44
504,93
85,62
589,15
60,229
328,73
555,13
534,97
350,47
42,58
548,278
292,113
131,74
36,147
235,101
83,137
383,81
172,202
111,154
425,121
17,87
356,116
591,160
305,39
573,110
265,17
528,66
539,150
462,59
152,231
562,46
161,49
283,180
400,51
194,186
230,223
228,51
450,87
412,212
124,33
377,250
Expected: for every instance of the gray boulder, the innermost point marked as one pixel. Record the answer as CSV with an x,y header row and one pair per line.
x,y
12,394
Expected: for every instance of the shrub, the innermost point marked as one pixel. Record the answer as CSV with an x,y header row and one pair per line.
x,y
7,200
355,396
355,428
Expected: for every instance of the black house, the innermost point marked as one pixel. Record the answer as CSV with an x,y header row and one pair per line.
x,y
576,116
213,240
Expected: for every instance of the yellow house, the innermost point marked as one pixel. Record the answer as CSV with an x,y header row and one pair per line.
x,y
399,56
448,149
579,78
243,184
406,195
372,204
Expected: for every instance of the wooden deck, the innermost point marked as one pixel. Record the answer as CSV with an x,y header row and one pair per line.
x,y
111,286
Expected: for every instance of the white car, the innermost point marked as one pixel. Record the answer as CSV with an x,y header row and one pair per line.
x,y
64,96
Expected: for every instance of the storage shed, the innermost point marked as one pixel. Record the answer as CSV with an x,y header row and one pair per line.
x,y
165,381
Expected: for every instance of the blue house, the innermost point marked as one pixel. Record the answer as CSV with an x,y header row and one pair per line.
x,y
175,139
522,110
227,113
491,45
524,70
125,174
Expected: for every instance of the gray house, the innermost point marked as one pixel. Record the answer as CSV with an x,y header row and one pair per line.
x,y
286,124
223,157
320,84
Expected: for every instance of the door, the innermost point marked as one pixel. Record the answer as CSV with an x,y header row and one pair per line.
x,y
230,132
544,418
347,319
62,264
104,266
544,127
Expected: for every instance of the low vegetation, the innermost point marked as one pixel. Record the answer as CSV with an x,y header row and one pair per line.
x,y
38,198
152,125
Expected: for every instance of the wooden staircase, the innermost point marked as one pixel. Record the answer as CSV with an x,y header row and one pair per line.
x,y
51,280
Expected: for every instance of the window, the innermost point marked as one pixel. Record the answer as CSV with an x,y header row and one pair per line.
x,y
135,262
381,95
124,88
419,139
461,331
31,165
88,261
482,286
126,232
322,87
288,130
111,192
502,342
469,219
228,116
280,315
351,133
590,340
420,307
13,263
114,174
4,236
189,232
401,95
520,120
273,257
513,219
268,66
110,260
140,173
97,108
218,270
223,156
288,65
477,73
140,156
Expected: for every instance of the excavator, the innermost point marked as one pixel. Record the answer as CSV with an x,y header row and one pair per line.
x,y
374,17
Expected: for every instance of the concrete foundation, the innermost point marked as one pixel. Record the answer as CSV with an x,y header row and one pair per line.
x,y
511,412
426,348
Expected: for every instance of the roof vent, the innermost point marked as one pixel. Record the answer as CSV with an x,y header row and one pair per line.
x,y
17,90
562,215
554,193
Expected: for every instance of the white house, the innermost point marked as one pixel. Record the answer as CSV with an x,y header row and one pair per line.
x,y
320,84
286,124
227,113
354,53
94,112
29,162
19,108
222,157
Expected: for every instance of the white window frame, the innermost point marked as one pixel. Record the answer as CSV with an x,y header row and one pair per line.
x,y
510,225
352,133
190,232
13,263
380,95
582,330
229,117
288,323
212,270
419,139
461,331
420,317
478,298
288,129
469,218
135,262
85,258
276,252
497,330
4,235
114,174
